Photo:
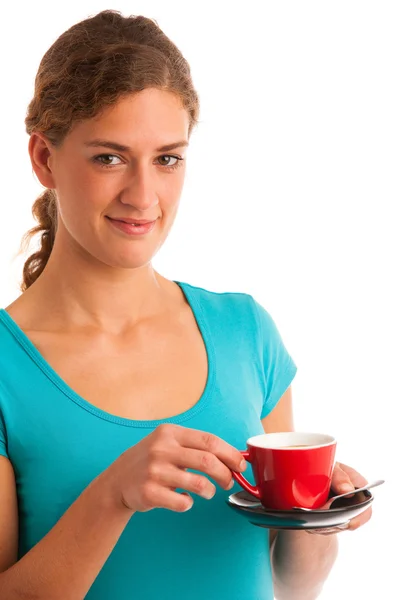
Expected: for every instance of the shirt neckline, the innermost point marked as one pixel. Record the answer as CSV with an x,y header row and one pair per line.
x,y
42,363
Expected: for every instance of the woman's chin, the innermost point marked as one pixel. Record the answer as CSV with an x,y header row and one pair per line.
x,y
136,261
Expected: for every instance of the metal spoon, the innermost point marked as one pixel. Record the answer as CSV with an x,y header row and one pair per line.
x,y
332,500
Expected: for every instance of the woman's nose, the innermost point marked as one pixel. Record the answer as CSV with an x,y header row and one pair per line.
x,y
140,193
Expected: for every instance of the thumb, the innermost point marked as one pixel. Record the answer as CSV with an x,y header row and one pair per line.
x,y
341,482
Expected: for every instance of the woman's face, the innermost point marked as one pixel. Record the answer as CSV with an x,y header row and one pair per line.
x,y
113,169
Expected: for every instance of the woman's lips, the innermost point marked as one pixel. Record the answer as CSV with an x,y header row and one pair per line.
x,y
140,228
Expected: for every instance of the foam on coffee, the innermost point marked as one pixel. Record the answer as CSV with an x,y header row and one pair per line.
x,y
291,439
297,446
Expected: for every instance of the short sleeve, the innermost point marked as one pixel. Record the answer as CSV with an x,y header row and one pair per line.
x,y
3,439
278,366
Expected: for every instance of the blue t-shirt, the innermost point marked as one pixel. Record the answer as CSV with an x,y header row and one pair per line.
x,y
58,443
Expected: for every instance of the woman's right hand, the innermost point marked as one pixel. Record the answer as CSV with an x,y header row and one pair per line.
x,y
146,475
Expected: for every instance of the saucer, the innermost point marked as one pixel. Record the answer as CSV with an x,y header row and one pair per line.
x,y
345,509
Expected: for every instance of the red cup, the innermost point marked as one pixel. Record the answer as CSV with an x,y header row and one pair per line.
x,y
290,469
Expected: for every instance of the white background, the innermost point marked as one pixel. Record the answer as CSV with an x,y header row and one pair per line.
x,y
291,191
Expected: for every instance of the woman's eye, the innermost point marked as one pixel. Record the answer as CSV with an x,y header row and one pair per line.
x,y
179,161
104,159
169,158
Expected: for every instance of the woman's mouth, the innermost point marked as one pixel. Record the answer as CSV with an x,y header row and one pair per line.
x,y
132,227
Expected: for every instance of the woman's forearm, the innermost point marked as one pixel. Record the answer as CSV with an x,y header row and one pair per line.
x,y
65,563
301,563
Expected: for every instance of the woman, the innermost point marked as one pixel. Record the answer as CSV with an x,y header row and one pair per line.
x,y
122,391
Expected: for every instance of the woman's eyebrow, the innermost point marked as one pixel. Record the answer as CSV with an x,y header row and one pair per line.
x,y
121,148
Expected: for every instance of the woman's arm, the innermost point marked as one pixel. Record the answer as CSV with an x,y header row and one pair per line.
x,y
65,563
300,562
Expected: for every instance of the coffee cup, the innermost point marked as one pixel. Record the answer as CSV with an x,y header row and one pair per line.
x,y
290,469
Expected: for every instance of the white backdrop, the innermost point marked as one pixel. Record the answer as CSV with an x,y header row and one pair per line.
x,y
292,182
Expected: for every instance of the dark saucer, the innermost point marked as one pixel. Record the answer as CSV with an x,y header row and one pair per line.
x,y
342,511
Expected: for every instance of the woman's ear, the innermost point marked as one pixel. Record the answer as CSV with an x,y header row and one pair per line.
x,y
40,151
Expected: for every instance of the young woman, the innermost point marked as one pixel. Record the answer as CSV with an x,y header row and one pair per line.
x,y
122,392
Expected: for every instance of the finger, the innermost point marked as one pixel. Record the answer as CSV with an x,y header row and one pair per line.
x,y
206,462
201,440
360,520
329,530
341,482
159,496
351,525
198,484
173,477
346,478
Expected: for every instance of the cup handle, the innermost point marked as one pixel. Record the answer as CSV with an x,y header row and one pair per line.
x,y
252,489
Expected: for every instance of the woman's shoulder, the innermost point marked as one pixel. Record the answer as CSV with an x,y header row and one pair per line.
x,y
223,298
12,341
237,307
5,323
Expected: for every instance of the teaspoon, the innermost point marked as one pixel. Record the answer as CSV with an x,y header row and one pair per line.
x,y
332,500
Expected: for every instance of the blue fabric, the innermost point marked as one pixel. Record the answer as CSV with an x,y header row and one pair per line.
x,y
58,443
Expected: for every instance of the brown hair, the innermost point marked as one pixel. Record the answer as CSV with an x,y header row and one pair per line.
x,y
88,68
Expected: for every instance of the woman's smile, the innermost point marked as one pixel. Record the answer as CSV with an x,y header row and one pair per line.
x,y
132,228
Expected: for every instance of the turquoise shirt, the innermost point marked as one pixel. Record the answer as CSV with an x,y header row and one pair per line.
x,y
58,442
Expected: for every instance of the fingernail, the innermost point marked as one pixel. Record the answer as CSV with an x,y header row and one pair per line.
x,y
346,487
210,494
243,465
230,486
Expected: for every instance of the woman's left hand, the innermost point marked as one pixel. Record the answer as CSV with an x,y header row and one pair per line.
x,y
345,479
